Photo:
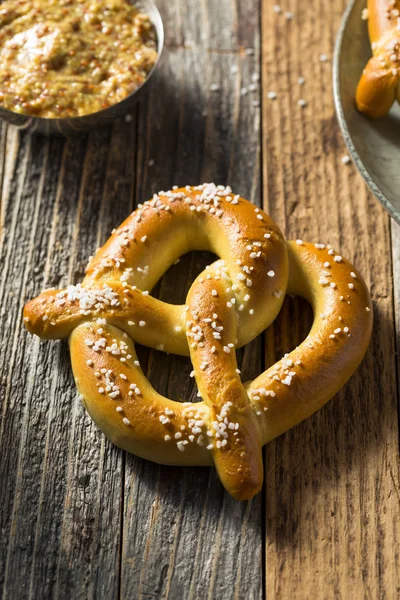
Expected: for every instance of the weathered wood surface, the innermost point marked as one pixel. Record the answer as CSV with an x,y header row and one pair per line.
x,y
333,502
78,517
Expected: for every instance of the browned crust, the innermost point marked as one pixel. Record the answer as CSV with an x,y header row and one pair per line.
x,y
230,425
378,85
377,88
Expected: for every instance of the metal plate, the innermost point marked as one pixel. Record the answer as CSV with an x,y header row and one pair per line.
x,y
373,144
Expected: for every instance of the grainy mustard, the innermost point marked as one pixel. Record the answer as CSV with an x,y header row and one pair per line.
x,y
65,58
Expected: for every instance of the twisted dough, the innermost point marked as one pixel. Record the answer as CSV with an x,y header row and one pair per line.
x,y
379,87
229,304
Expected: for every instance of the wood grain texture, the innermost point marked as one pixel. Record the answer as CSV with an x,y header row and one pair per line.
x,y
192,540
62,501
332,494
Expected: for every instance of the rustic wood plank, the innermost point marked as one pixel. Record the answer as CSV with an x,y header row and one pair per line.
x,y
21,222
88,560
61,508
3,158
332,494
395,239
192,540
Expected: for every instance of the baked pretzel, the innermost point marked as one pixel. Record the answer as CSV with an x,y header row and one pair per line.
x,y
229,304
379,87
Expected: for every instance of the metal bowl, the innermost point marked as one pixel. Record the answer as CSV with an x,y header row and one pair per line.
x,y
76,125
373,143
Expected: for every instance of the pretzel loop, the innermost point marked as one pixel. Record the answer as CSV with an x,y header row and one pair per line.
x,y
228,305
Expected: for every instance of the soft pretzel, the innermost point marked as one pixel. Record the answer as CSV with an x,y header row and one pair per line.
x,y
229,304
379,86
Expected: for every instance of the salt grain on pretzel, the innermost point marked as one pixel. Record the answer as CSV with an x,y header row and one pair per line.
x,y
228,305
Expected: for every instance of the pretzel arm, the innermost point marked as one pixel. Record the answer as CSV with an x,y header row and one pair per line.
x,y
55,313
377,88
304,380
127,408
379,83
236,440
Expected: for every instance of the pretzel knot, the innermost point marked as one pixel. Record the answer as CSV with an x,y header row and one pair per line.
x,y
229,304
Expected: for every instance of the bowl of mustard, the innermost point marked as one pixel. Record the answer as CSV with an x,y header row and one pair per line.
x,y
67,66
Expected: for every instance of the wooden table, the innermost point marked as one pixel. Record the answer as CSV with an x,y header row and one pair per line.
x,y
81,519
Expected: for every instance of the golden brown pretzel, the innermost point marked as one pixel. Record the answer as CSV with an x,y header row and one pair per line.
x,y
230,303
379,87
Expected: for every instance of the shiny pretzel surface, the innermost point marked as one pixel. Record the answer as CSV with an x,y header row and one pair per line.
x,y
227,306
379,87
